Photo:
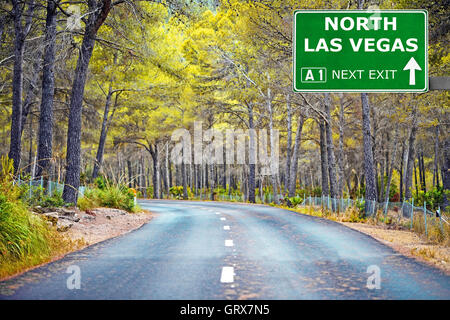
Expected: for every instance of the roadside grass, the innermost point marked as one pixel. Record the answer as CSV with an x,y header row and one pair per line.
x,y
110,196
26,239
437,232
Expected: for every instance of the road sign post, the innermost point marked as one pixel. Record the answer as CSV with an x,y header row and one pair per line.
x,y
360,51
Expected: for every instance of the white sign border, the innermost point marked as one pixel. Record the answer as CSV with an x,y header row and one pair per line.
x,y
423,11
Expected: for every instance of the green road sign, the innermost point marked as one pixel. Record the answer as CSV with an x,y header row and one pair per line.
x,y
360,51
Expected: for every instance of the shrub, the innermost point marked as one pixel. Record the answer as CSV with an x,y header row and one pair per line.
x,y
432,197
354,215
176,191
89,200
100,182
295,201
39,197
111,196
360,205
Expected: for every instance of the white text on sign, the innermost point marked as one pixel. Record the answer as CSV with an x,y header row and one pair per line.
x,y
361,44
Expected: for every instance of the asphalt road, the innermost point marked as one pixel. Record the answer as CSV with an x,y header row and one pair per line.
x,y
213,250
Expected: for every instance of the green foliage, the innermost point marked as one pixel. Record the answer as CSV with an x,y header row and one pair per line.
x,y
432,197
25,239
176,191
360,205
316,192
100,182
54,200
236,192
294,201
393,191
117,197
221,191
39,196
111,196
21,233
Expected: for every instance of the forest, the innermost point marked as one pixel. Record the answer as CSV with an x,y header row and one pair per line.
x,y
92,91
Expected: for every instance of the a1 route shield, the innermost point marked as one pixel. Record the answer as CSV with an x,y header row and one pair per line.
x,y
360,51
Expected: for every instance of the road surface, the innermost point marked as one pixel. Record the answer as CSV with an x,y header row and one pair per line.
x,y
213,250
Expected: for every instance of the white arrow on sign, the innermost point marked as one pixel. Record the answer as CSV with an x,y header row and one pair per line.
x,y
412,66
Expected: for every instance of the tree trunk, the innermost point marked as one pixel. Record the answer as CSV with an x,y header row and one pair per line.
x,y
293,166
341,149
415,179
31,92
224,177
30,150
411,156
144,177
206,175
99,11
130,174
273,172
48,88
323,158
330,148
183,178
156,178
391,167
436,157
446,173
20,33
369,170
252,156
423,181
211,181
381,193
103,133
402,160
289,144
165,171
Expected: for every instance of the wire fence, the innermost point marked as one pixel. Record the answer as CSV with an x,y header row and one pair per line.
x,y
372,207
37,185
403,213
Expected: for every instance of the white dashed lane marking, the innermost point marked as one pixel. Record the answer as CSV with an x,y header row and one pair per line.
x,y
229,243
227,272
227,275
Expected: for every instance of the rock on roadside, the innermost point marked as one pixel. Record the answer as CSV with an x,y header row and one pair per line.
x,y
104,223
92,225
62,218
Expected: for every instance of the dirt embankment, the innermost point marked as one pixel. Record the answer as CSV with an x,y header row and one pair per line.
x,y
92,226
103,223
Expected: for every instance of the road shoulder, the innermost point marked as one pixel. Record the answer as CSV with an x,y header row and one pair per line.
x,y
407,243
